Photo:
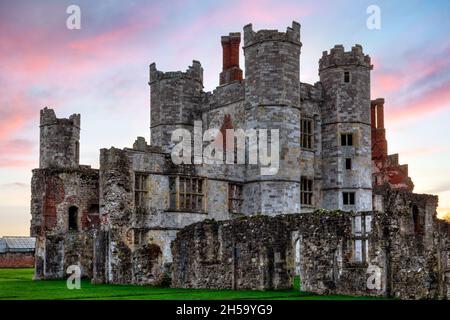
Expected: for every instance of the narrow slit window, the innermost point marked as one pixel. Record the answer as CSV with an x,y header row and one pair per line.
x,y
235,198
306,129
348,164
73,218
346,76
306,191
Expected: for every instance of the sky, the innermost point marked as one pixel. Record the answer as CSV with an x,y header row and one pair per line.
x,y
101,71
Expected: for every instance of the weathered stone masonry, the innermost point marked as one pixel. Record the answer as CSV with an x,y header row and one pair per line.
x,y
118,222
259,252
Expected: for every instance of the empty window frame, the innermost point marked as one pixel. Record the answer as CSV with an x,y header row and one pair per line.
x,y
306,128
348,164
418,224
348,198
186,194
346,77
361,228
140,190
235,198
306,191
73,218
346,139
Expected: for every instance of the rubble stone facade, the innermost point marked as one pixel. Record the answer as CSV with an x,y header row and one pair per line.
x,y
118,223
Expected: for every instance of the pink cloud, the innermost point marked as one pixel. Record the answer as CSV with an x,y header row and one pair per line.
x,y
432,101
16,163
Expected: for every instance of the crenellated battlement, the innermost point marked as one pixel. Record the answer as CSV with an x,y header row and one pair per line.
x,y
194,72
48,117
339,57
292,35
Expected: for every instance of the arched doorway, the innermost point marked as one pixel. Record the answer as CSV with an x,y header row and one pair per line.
x,y
297,250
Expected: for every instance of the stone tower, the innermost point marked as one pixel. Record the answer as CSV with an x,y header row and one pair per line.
x,y
272,101
175,100
59,140
346,129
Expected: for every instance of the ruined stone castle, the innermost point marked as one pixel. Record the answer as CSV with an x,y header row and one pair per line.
x,y
337,206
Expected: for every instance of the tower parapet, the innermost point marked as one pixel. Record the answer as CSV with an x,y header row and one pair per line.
x,y
194,72
292,35
175,99
59,140
338,57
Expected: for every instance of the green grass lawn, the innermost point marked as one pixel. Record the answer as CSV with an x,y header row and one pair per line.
x,y
17,284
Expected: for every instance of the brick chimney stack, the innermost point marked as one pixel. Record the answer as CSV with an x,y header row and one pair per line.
x,y
379,143
230,70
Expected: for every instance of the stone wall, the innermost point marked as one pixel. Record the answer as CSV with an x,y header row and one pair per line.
x,y
263,253
55,193
113,256
258,252
59,140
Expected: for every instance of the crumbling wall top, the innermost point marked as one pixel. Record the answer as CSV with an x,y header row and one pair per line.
x,y
48,117
194,72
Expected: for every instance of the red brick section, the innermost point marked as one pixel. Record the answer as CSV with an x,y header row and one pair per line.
x,y
54,196
90,220
17,260
386,167
227,124
230,66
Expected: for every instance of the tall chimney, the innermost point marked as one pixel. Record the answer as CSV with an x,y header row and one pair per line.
x,y
230,67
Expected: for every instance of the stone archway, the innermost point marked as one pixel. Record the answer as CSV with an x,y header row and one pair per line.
x,y
296,259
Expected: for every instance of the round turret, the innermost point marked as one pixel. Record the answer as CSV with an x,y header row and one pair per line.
x,y
346,129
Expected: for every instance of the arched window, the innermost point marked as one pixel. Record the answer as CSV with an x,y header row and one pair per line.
x,y
416,219
73,218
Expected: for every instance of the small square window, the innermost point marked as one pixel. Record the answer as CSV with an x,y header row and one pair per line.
x,y
346,139
346,76
348,164
348,198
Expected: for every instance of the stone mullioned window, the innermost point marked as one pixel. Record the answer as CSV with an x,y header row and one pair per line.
x,y
306,191
307,134
361,227
348,198
346,139
187,194
235,198
140,191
